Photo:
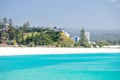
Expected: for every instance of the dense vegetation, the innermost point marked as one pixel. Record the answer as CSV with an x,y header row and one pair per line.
x,y
33,36
43,36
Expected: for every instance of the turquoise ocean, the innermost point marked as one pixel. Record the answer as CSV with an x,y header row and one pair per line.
x,y
99,66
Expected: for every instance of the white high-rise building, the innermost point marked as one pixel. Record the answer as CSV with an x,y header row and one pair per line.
x,y
87,34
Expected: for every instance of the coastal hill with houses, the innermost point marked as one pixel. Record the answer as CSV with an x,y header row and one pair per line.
x,y
27,36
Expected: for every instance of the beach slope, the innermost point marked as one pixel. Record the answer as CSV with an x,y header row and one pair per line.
x,y
7,51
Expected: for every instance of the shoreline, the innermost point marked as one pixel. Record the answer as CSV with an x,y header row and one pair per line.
x,y
9,51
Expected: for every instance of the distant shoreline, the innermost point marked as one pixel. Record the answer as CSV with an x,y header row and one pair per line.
x,y
9,51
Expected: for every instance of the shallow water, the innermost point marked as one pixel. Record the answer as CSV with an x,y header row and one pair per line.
x,y
61,67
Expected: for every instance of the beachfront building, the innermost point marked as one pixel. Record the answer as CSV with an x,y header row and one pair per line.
x,y
4,28
87,34
76,39
66,33
61,30
57,29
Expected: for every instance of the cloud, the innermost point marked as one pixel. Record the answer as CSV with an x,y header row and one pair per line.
x,y
117,2
113,0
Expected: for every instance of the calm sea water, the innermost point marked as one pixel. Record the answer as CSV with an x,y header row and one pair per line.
x,y
61,67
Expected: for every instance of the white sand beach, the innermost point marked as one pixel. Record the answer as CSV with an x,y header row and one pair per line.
x,y
7,51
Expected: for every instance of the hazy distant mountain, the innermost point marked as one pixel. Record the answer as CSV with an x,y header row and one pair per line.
x,y
104,36
96,34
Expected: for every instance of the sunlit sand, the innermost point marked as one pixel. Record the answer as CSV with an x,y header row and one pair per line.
x,y
40,50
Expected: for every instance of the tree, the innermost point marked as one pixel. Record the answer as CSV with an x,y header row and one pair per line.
x,y
0,40
31,44
54,35
1,25
19,36
4,37
12,33
83,40
26,26
102,43
32,37
64,41
5,21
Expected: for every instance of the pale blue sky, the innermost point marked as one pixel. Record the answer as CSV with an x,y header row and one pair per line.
x,y
91,14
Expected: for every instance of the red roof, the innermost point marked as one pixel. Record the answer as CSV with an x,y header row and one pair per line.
x,y
3,44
